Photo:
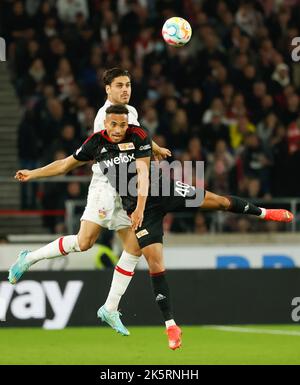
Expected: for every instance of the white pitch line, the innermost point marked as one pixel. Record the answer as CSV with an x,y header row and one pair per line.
x,y
234,329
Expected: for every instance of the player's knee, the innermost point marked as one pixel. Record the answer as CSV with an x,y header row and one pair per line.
x,y
156,266
133,251
224,203
85,243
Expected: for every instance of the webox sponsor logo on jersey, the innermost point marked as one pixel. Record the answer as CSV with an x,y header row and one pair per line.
x,y
123,158
29,300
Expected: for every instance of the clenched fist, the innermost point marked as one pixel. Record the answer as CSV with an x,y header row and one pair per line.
x,y
23,175
161,153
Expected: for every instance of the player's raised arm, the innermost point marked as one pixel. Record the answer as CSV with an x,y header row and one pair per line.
x,y
59,167
81,156
142,167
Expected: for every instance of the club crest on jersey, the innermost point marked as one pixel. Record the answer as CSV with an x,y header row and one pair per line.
x,y
102,214
126,146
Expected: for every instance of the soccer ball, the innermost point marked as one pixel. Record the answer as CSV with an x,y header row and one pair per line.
x,y
176,31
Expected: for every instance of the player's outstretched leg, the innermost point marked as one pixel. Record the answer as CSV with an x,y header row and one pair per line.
x,y
57,248
242,206
112,318
19,267
85,239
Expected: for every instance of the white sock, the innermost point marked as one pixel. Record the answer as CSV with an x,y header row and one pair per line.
x,y
57,248
169,323
263,212
122,276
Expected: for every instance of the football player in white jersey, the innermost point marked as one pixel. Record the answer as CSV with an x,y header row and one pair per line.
x,y
103,209
104,205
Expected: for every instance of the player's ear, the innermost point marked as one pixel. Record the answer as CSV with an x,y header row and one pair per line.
x,y
107,89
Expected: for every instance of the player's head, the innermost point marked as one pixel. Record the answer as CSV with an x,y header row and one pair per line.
x,y
116,122
117,84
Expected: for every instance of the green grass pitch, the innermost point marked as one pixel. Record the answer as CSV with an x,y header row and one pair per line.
x,y
276,344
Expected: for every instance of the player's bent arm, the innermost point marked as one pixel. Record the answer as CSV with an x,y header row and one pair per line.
x,y
59,167
142,167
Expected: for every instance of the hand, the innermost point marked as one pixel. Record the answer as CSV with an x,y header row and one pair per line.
x,y
161,153
23,175
137,218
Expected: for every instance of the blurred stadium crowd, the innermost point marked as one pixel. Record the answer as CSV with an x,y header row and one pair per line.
x,y
230,97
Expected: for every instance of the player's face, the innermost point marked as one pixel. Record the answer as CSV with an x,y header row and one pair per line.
x,y
119,91
116,126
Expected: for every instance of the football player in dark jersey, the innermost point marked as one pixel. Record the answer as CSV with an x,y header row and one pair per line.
x,y
123,152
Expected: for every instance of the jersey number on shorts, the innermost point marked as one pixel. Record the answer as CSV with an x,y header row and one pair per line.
x,y
183,189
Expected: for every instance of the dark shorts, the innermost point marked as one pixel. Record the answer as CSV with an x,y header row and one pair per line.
x,y
182,196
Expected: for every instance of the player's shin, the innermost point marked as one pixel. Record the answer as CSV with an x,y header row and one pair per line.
x,y
163,300
162,296
57,248
122,276
241,206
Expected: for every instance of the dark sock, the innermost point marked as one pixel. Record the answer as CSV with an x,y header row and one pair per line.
x,y
241,206
162,294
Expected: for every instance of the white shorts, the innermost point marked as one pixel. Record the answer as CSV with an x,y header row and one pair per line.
x,y
104,206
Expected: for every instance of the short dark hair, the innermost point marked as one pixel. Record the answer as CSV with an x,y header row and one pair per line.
x,y
118,109
111,74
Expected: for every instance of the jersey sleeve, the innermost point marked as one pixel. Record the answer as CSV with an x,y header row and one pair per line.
x,y
143,144
88,150
99,121
133,116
